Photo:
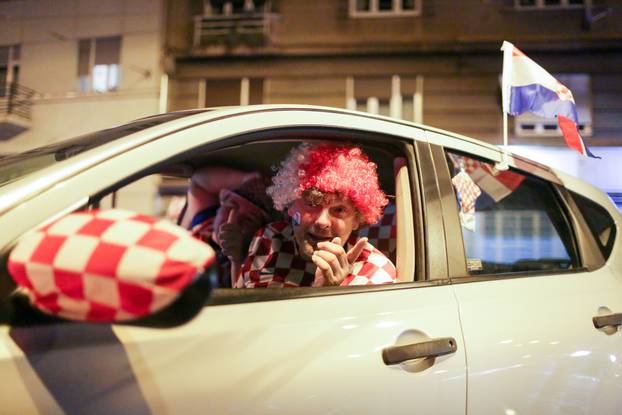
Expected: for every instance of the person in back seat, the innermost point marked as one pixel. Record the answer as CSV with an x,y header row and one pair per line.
x,y
225,207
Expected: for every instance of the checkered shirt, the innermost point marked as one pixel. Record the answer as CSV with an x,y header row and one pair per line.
x,y
382,234
273,262
108,265
202,224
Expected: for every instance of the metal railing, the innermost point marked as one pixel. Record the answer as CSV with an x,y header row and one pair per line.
x,y
16,99
244,28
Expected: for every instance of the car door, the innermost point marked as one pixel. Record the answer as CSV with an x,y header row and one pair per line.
x,y
530,282
312,350
307,355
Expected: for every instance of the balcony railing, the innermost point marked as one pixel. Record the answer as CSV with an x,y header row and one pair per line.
x,y
247,28
16,99
15,109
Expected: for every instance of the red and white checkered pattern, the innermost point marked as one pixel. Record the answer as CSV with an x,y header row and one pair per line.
x,y
108,265
272,262
203,231
498,184
382,234
468,191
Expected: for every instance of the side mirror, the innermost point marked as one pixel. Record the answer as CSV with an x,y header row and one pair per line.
x,y
110,266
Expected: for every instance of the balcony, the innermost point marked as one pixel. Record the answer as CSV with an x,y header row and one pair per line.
x,y
15,109
230,29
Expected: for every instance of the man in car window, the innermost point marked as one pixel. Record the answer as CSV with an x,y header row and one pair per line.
x,y
225,207
329,191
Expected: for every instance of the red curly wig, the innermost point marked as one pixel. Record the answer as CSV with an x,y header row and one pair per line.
x,y
330,168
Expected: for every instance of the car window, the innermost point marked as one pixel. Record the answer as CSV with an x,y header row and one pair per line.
x,y
599,221
510,221
161,189
164,195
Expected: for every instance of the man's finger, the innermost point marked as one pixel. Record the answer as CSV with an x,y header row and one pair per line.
x,y
227,231
233,216
356,250
332,260
229,227
336,249
324,266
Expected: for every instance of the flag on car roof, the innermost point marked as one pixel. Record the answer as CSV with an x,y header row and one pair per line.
x,y
468,192
497,184
530,88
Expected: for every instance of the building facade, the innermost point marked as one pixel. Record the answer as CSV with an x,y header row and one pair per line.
x,y
72,66
68,67
86,64
432,61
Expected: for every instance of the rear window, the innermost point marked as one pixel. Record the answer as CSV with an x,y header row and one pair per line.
x,y
511,222
16,166
599,221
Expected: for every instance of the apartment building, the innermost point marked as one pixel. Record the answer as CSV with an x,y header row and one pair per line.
x,y
72,66
68,67
431,61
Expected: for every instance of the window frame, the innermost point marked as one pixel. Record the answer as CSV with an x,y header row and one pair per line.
x,y
225,296
11,68
375,12
86,82
395,97
588,204
541,5
337,126
589,257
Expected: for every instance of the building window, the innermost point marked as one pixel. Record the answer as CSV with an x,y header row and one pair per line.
x,y
550,4
9,67
233,7
378,8
527,124
393,96
98,64
232,91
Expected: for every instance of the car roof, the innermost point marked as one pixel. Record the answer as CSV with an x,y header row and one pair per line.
x,y
17,191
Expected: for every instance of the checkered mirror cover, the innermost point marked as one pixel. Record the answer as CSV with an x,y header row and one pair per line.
x,y
107,265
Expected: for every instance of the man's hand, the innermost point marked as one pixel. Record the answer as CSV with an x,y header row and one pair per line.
x,y
231,238
333,263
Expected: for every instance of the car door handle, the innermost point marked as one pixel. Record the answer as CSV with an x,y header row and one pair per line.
x,y
431,348
607,320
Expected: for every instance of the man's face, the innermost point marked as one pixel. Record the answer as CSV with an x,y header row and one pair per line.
x,y
322,220
242,212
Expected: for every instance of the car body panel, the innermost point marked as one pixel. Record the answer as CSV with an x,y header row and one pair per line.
x,y
539,343
579,186
531,335
317,355
525,343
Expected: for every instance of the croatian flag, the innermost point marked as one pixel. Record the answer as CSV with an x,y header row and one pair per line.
x,y
527,87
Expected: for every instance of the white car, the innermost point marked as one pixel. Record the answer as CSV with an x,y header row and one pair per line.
x,y
508,301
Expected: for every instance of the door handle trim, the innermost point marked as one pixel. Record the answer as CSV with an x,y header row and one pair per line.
x,y
614,319
394,355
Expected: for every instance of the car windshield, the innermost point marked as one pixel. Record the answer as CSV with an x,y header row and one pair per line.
x,y
16,166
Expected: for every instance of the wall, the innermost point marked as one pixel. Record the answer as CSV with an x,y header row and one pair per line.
x,y
48,32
